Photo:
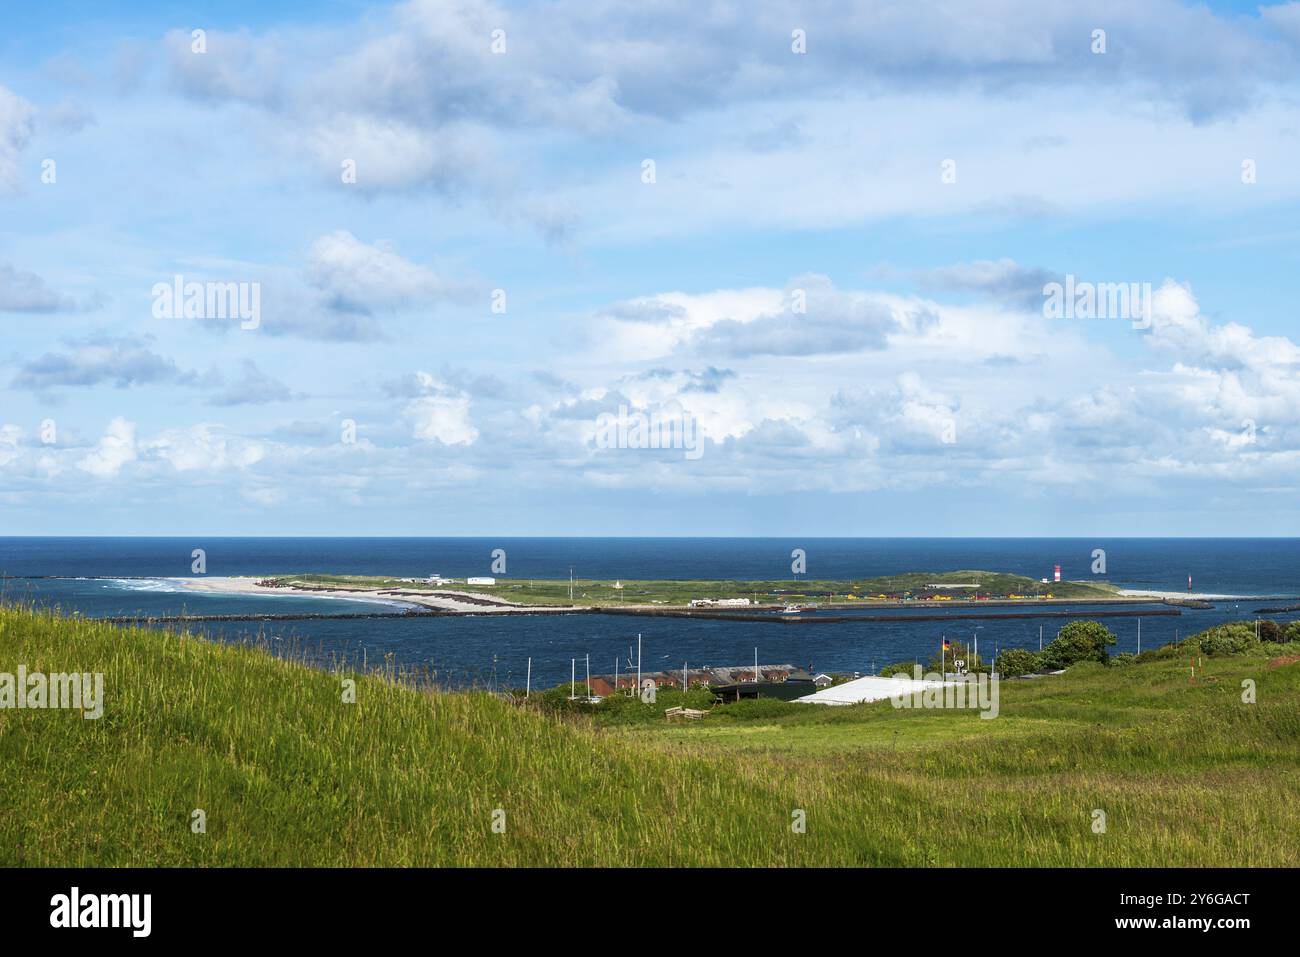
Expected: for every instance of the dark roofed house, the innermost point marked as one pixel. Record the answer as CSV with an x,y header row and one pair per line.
x,y
795,685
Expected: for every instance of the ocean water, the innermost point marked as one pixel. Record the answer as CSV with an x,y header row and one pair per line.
x,y
99,577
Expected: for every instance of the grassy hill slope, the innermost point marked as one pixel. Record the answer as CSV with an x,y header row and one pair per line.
x,y
289,774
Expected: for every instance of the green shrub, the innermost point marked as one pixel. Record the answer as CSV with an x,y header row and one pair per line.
x,y
1269,630
1018,661
1292,631
1230,639
898,668
1187,646
1078,641
1124,658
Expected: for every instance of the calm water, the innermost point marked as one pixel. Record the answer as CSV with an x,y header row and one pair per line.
x,y
462,650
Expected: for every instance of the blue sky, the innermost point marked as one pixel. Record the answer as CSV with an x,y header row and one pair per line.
x,y
859,339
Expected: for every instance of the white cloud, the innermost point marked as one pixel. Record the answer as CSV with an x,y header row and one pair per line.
x,y
204,447
440,413
236,66
356,276
115,449
22,291
16,125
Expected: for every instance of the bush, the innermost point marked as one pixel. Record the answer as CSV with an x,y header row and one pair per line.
x,y
1125,658
1230,639
1269,630
1078,641
1292,631
1185,647
898,668
1018,661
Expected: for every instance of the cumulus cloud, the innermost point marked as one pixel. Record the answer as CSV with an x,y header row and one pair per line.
x,y
115,449
436,410
22,291
118,361
358,277
809,317
1002,280
17,119
203,447
442,419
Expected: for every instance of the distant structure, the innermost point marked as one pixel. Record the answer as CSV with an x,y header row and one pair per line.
x,y
719,602
1057,574
480,581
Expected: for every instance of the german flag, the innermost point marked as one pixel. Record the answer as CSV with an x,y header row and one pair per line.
x,y
947,645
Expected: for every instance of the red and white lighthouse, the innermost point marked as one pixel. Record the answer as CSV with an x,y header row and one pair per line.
x,y
1057,574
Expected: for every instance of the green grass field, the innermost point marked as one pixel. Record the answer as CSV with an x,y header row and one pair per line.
x,y
674,592
288,773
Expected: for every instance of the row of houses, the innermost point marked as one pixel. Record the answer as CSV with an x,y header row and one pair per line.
x,y
436,579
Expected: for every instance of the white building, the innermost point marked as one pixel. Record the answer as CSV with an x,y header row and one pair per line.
x,y
480,581
870,688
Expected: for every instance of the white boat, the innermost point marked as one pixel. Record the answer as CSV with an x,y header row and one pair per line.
x,y
791,610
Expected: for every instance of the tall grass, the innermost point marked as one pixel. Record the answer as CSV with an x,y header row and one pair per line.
x,y
287,773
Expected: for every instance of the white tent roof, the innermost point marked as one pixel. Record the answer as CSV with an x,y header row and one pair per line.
x,y
870,688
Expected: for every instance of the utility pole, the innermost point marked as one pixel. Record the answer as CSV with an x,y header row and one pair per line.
x,y
528,687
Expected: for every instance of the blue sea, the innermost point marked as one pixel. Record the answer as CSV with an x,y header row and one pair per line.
x,y
100,577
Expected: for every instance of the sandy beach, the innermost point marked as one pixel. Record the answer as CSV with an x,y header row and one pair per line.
x,y
445,601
